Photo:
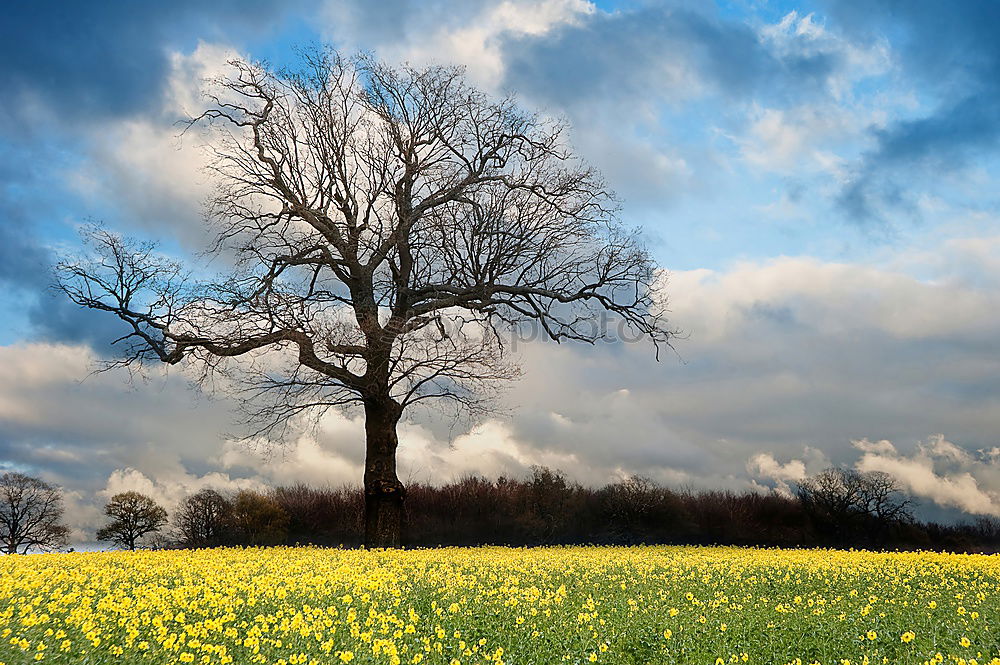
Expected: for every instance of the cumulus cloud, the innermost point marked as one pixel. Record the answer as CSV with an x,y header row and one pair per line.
x,y
470,34
765,466
962,482
882,447
169,490
148,167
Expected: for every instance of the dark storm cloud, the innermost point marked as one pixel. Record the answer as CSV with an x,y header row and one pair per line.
x,y
625,54
23,262
26,261
952,50
110,58
26,268
66,67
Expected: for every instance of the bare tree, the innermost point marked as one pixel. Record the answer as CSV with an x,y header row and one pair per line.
x,y
390,226
882,497
845,499
204,519
133,516
31,513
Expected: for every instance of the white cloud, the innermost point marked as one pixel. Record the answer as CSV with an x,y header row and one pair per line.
x,y
957,488
170,489
802,36
882,447
801,139
765,466
833,297
34,368
449,34
148,165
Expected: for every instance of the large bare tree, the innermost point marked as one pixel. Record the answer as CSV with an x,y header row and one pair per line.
x,y
31,513
388,228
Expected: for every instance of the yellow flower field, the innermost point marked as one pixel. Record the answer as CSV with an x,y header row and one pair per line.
x,y
305,606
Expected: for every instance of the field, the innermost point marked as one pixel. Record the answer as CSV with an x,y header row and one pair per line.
x,y
301,606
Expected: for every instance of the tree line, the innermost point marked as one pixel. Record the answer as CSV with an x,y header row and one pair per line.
x,y
835,508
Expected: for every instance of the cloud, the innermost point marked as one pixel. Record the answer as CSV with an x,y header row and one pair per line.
x,y
655,51
787,362
170,490
145,170
111,59
57,417
765,466
649,88
468,33
960,486
952,56
131,169
882,447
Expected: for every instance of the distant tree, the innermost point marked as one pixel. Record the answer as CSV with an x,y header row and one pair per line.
x,y
204,519
133,516
549,501
635,507
31,513
391,228
882,497
258,519
843,500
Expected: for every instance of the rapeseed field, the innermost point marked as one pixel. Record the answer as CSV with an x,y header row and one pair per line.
x,y
581,605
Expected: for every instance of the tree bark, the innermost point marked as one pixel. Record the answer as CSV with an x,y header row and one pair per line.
x,y
384,495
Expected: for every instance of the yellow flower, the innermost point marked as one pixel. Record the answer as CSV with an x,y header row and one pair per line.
x,y
346,656
871,635
907,636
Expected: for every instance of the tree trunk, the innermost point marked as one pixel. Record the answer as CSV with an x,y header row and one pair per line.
x,y
384,494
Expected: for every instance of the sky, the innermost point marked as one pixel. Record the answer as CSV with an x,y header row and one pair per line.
x,y
818,179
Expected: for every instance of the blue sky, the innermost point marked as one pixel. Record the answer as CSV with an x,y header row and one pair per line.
x,y
819,178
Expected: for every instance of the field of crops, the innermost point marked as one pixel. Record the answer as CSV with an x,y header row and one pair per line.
x,y
495,605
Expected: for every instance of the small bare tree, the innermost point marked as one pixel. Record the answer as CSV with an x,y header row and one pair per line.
x,y
133,516
31,513
390,227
